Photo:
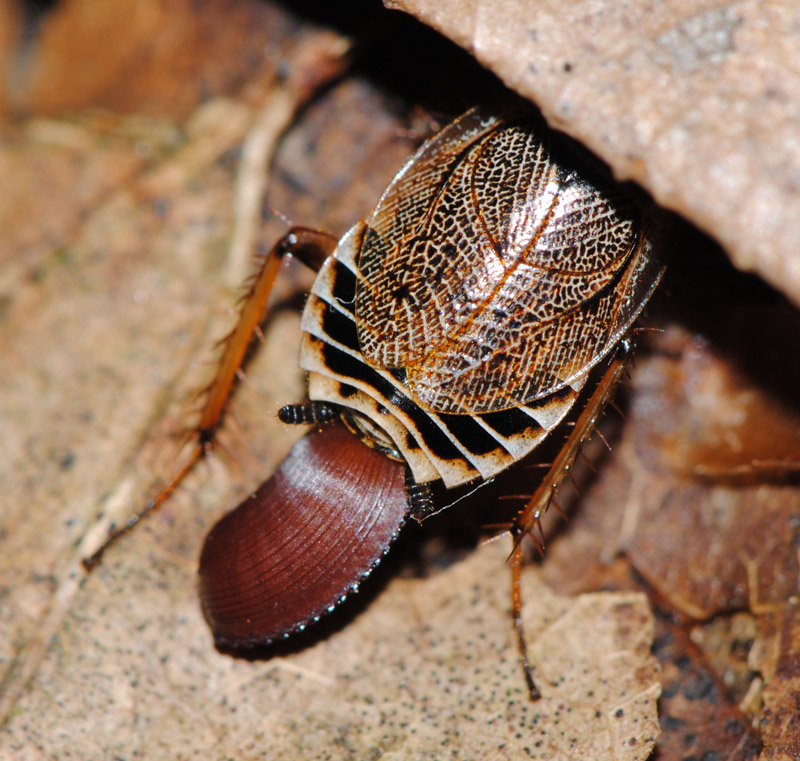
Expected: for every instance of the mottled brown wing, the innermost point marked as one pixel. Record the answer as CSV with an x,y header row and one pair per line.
x,y
492,273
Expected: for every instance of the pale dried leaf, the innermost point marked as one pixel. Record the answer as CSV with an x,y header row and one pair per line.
x,y
430,670
119,231
105,311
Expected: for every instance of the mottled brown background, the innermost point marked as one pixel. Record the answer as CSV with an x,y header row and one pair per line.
x,y
124,238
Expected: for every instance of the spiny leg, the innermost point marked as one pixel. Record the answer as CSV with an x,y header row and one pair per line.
x,y
311,247
528,521
516,612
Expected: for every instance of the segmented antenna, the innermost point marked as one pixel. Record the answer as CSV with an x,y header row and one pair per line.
x,y
420,497
310,413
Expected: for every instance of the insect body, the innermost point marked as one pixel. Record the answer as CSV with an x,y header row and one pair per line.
x,y
450,331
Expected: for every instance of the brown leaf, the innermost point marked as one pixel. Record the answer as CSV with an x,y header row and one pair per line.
x,y
118,230
698,718
106,311
156,58
696,101
776,658
700,495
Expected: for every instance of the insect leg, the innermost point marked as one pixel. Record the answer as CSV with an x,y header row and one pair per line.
x,y
311,247
529,518
516,612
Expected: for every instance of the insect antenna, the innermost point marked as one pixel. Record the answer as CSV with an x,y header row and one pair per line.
x,y
309,413
272,211
420,497
637,329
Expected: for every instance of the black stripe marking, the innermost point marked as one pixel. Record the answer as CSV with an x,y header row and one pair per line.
x,y
343,288
340,328
347,366
470,435
509,423
411,442
561,395
346,390
464,429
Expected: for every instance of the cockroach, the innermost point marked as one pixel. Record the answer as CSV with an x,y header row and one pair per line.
x,y
446,336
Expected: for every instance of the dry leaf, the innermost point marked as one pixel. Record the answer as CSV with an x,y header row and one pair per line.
x,y
698,717
696,101
776,659
700,495
155,59
118,232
